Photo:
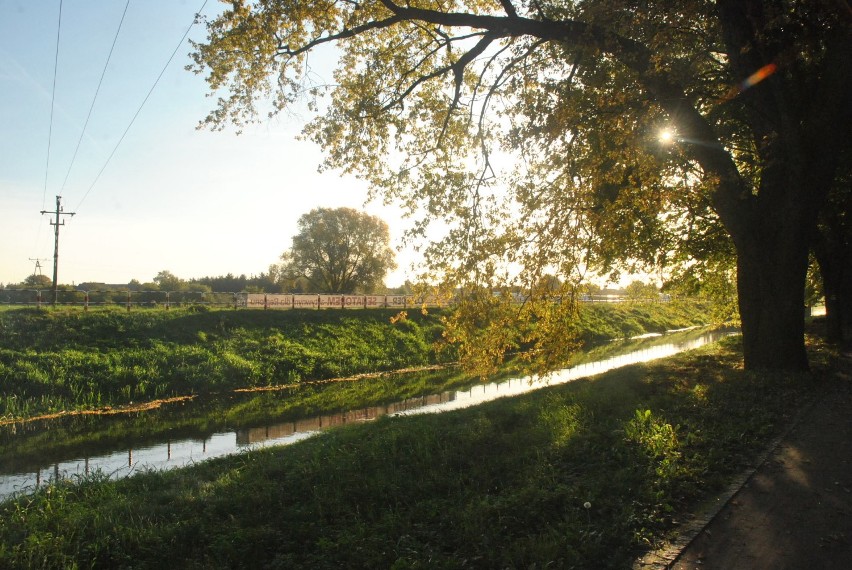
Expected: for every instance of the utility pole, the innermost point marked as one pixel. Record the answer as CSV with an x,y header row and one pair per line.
x,y
58,212
37,270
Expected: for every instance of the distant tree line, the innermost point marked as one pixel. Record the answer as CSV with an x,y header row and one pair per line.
x,y
272,281
337,250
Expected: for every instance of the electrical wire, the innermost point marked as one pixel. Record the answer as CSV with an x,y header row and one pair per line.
x,y
95,98
52,104
50,128
139,110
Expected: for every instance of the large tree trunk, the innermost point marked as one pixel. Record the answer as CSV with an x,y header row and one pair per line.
x,y
770,288
833,315
844,307
832,247
798,118
838,307
835,266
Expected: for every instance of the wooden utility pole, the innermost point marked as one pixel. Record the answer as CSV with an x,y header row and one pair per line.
x,y
58,212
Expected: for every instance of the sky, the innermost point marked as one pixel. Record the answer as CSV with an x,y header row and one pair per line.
x,y
172,197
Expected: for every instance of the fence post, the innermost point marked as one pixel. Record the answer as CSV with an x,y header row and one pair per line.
x,y
38,298
128,300
265,302
86,302
168,306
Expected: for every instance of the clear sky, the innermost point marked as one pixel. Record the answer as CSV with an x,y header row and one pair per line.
x,y
194,202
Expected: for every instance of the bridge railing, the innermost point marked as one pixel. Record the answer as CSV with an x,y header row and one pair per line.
x,y
237,300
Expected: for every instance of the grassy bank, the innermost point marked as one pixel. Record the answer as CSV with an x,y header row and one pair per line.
x,y
72,360
600,322
29,446
582,475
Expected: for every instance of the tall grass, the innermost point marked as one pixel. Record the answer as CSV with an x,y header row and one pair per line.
x,y
600,322
54,361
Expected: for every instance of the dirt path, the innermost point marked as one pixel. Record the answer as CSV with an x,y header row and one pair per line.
x,y
796,510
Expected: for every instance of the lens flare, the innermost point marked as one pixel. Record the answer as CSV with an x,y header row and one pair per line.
x,y
752,80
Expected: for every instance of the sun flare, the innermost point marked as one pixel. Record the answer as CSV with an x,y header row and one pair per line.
x,y
666,136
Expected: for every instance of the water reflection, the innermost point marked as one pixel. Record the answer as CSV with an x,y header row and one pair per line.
x,y
22,474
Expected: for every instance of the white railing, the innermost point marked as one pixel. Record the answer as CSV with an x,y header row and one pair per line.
x,y
241,300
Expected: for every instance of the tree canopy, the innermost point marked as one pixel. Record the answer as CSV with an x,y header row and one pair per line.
x,y
531,130
340,250
37,281
168,281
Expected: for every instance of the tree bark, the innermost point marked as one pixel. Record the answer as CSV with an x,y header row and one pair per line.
x,y
844,307
833,314
771,298
835,266
838,306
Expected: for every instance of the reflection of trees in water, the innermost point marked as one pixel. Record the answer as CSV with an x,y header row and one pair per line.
x,y
249,436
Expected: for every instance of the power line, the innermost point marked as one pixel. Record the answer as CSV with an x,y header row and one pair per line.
x,y
95,98
52,102
50,128
139,110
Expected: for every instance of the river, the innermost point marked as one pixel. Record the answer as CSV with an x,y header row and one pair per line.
x,y
36,453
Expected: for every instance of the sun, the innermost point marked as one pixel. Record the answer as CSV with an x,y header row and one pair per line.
x,y
666,136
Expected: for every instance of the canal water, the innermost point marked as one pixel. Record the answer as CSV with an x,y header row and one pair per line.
x,y
36,453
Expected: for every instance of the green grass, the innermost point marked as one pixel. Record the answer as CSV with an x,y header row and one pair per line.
x,y
599,322
28,446
54,361
51,362
502,485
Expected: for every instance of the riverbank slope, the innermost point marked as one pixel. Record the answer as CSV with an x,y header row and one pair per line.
x,y
69,360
